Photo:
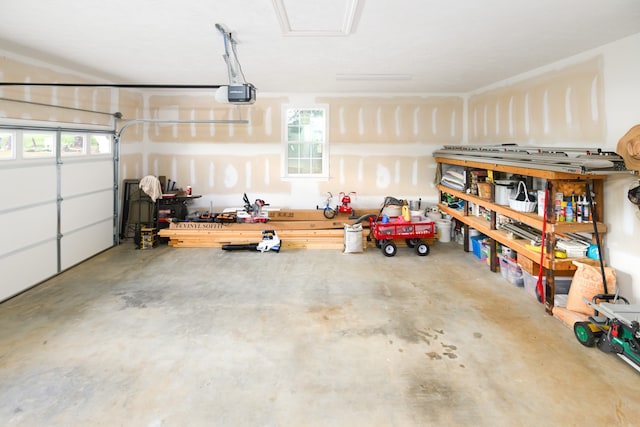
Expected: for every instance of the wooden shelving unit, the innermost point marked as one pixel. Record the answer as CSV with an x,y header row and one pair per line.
x,y
550,264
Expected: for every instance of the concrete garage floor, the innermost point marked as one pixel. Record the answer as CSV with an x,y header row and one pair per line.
x,y
203,337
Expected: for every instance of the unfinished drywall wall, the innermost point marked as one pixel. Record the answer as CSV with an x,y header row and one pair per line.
x,y
622,83
38,103
588,101
429,119
377,146
383,145
216,160
558,106
264,119
130,104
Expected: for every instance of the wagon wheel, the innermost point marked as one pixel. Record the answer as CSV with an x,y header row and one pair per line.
x,y
412,242
378,243
584,334
422,249
389,249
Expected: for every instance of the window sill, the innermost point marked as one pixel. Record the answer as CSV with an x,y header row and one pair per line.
x,y
290,178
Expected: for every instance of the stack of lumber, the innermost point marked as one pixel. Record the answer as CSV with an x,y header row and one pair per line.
x,y
300,229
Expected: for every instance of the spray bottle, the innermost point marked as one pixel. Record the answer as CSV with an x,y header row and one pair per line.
x,y
579,208
569,212
585,208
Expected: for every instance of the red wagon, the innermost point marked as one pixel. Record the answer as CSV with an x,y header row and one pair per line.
x,y
412,232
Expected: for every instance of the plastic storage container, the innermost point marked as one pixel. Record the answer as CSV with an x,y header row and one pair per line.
x,y
562,283
476,244
504,267
573,249
514,272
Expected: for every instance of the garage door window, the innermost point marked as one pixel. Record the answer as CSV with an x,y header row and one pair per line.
x,y
100,144
7,145
73,144
78,144
306,142
38,145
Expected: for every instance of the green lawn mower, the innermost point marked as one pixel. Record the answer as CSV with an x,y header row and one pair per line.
x,y
613,328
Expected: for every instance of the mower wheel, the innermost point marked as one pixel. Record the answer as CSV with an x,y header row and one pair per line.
x,y
584,334
389,249
422,249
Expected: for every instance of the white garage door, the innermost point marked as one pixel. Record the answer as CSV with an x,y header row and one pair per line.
x,y
57,192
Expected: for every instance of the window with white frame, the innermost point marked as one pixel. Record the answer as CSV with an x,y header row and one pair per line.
x,y
306,141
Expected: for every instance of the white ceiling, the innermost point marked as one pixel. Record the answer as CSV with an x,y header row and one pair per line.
x,y
431,46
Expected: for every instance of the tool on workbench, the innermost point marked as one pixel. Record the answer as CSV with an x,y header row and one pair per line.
x,y
253,211
207,214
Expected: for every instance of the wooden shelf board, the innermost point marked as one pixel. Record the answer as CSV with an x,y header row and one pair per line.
x,y
518,245
531,219
519,170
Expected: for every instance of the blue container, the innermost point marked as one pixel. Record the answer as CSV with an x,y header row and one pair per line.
x,y
476,244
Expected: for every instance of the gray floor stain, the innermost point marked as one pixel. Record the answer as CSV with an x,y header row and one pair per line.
x,y
433,355
140,298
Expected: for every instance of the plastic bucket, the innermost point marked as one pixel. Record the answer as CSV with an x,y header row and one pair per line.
x,y
434,215
472,233
444,230
504,190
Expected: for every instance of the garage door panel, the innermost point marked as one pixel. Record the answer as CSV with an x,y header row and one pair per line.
x,y
54,215
24,269
25,186
81,244
82,211
27,227
81,178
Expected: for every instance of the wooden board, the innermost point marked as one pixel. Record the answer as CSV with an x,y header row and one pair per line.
x,y
315,215
249,233
306,229
270,225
